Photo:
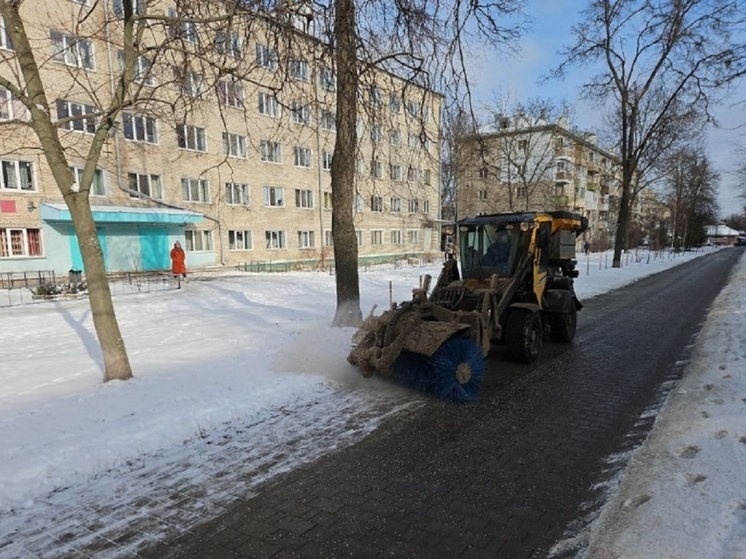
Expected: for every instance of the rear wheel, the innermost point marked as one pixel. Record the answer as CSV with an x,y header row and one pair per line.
x,y
523,335
562,326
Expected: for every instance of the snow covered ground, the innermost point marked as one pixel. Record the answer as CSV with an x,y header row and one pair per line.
x,y
240,377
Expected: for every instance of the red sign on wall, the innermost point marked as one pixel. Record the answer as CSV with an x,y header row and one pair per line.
x,y
7,206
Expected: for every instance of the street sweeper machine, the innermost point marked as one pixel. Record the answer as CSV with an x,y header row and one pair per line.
x,y
514,285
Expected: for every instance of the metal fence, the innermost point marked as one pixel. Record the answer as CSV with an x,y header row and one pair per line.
x,y
23,288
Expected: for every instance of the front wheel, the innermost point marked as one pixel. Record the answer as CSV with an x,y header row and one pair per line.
x,y
523,335
562,326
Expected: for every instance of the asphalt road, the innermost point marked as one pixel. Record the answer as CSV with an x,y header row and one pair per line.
x,y
509,477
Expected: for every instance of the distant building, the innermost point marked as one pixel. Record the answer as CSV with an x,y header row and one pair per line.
x,y
529,164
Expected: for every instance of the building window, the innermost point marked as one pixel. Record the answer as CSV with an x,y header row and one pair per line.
x,y
5,42
229,43
300,113
142,69
231,94
274,196
195,190
188,82
275,239
240,240
327,200
185,30
303,198
413,109
266,57
298,69
198,241
236,194
306,239
19,242
376,237
484,173
75,112
414,205
328,120
522,192
396,237
144,185
268,104
234,145
326,160
328,239
376,133
426,176
413,140
11,108
327,79
359,235
394,103
358,204
426,207
72,51
482,195
139,128
302,156
374,95
395,172
413,236
396,205
97,185
376,169
376,203
270,151
190,137
395,137
412,174
17,175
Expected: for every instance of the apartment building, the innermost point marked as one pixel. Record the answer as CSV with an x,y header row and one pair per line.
x,y
226,148
529,164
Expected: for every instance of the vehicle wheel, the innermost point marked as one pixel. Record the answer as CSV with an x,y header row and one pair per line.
x,y
562,326
523,335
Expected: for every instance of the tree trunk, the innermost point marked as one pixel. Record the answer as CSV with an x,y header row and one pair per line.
x,y
343,168
116,362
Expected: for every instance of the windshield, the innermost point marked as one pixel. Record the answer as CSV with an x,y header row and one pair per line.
x,y
490,249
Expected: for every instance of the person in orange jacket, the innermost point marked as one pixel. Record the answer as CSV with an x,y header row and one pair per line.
x,y
178,257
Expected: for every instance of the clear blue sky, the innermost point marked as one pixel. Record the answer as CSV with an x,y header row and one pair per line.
x,y
519,77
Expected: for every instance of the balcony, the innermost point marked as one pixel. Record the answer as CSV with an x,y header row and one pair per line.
x,y
564,176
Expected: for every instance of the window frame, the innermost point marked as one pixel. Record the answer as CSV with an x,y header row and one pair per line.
x,y
237,191
198,186
197,135
246,240
18,176
155,182
29,248
271,198
138,124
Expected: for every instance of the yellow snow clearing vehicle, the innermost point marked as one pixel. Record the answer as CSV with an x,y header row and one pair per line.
x,y
515,283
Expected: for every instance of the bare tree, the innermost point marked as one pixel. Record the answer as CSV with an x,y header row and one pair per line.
x,y
656,58
424,44
692,196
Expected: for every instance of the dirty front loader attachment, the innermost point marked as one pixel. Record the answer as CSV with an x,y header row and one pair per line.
x,y
424,345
